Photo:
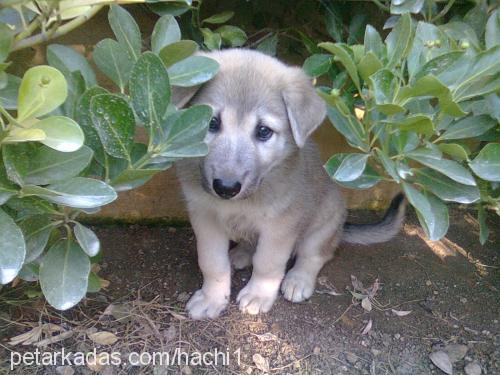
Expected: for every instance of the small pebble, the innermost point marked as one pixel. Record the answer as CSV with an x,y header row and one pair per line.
x,y
473,369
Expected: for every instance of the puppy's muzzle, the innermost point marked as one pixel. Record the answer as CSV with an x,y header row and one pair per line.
x,y
226,189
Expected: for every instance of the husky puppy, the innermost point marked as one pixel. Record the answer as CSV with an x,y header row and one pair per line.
x,y
262,185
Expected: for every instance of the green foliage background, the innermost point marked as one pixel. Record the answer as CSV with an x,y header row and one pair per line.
x,y
412,85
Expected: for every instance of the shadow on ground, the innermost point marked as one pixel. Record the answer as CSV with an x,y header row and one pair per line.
x,y
449,288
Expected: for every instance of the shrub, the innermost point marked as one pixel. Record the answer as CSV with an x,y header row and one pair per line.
x,y
422,107
68,146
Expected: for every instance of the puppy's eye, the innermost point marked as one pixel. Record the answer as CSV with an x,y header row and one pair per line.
x,y
214,125
263,133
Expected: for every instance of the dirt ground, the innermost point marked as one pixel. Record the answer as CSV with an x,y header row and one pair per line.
x,y
449,288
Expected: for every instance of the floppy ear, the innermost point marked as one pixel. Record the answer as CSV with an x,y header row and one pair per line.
x,y
181,96
305,109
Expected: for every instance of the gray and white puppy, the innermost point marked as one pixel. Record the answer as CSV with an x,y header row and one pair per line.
x,y
262,185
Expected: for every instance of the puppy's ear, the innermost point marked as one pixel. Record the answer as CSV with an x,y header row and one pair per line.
x,y
305,109
181,96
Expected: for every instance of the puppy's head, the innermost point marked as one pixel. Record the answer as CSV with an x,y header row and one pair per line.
x,y
263,111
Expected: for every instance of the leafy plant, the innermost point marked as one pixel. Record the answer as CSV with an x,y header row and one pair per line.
x,y
68,146
421,107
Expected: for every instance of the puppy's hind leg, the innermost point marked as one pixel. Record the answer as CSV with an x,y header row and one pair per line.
x,y
315,250
241,255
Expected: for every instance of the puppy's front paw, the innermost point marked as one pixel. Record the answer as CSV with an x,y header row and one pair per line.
x,y
257,297
203,306
297,287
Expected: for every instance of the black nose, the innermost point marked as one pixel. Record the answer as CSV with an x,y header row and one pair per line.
x,y
226,188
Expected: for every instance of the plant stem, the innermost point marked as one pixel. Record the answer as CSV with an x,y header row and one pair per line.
x,y
66,28
443,12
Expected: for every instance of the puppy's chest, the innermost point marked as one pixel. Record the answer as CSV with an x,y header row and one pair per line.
x,y
240,226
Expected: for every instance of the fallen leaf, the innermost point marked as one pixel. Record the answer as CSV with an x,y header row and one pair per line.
x,y
97,364
367,328
260,362
374,288
356,284
401,312
34,335
442,361
456,351
268,336
103,338
122,312
366,304
177,316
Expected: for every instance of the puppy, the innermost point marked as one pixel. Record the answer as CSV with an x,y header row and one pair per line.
x,y
262,185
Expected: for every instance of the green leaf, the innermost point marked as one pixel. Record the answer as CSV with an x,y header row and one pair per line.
x,y
405,6
432,213
341,52
115,124
36,230
388,164
317,64
6,39
468,127
61,133
346,167
94,284
7,188
385,86
487,163
185,129
77,192
483,66
12,248
460,31
399,41
150,92
67,60
84,119
64,273
177,51
192,71
368,65
126,30
269,45
46,166
132,178
334,24
212,41
484,231
114,61
477,17
373,42
431,86
421,124
449,168
87,240
492,33
349,126
232,35
219,17
166,31
456,151
446,188
366,180
8,94
439,64
42,90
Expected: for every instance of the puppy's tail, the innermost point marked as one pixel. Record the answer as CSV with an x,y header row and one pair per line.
x,y
380,232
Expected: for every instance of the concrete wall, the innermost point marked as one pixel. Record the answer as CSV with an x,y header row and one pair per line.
x,y
161,197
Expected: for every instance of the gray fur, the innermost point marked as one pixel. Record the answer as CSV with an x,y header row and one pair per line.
x,y
287,204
